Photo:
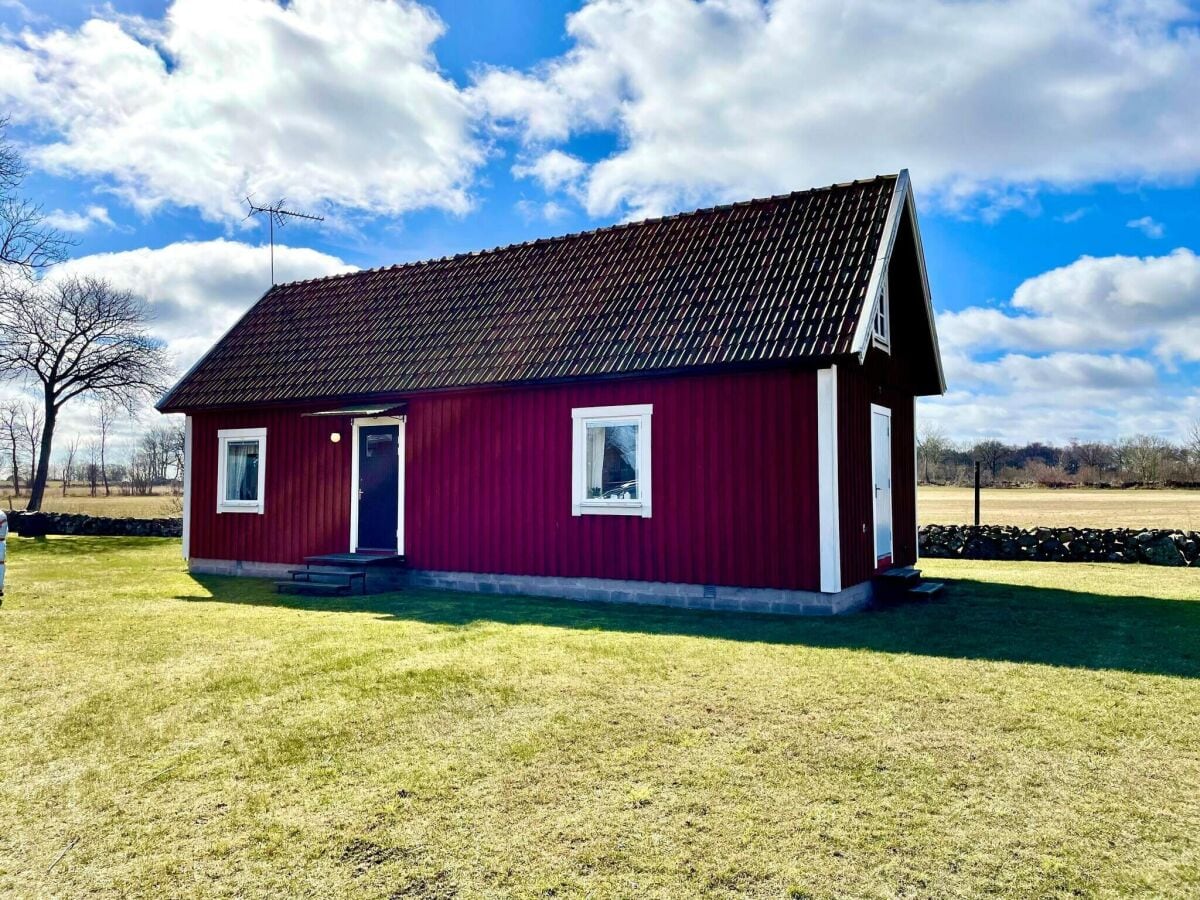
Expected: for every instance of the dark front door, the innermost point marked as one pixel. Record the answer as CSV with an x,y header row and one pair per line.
x,y
378,486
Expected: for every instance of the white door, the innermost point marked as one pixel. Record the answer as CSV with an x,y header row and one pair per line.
x,y
881,467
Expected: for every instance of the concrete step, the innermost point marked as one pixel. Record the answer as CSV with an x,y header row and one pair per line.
x,y
348,577
357,560
900,575
313,588
926,590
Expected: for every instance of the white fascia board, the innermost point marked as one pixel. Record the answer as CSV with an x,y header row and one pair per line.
x,y
891,227
902,199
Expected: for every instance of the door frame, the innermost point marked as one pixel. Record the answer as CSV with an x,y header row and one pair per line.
x,y
366,422
876,409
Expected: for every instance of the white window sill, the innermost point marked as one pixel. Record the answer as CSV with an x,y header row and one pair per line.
x,y
229,508
612,508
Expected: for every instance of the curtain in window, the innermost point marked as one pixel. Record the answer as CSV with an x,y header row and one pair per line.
x,y
595,461
241,470
612,462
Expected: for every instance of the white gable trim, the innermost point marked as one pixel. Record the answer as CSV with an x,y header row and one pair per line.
x,y
902,200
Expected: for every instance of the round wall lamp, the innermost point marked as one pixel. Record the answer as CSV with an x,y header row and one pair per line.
x,y
335,436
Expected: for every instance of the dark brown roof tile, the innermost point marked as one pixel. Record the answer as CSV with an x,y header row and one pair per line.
x,y
779,279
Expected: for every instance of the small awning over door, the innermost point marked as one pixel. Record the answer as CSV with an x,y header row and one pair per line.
x,y
368,410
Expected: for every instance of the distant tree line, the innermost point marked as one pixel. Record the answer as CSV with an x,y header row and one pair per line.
x,y
149,462
1142,459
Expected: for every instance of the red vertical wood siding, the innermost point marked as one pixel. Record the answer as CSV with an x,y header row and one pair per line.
x,y
307,493
487,484
858,388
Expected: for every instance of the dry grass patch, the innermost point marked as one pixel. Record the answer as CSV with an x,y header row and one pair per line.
x,y
1063,507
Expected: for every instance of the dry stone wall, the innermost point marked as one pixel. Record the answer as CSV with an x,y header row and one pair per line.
x,y
1155,547
37,524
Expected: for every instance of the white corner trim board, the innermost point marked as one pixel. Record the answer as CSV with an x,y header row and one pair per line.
x,y
187,486
829,516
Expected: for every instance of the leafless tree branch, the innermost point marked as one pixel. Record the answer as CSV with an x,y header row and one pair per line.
x,y
76,337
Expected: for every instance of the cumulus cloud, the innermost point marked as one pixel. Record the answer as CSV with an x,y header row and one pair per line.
x,y
552,170
1094,304
197,289
985,102
1090,349
78,222
323,102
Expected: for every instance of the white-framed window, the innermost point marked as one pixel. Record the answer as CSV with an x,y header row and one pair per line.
x,y
881,328
610,462
241,469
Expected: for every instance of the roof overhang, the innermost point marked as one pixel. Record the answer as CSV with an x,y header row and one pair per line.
x,y
902,201
363,410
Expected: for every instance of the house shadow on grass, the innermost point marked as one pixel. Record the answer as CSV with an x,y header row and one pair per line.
x,y
973,620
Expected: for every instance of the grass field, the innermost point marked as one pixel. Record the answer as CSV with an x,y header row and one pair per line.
x,y
78,501
1031,735
1080,507
941,505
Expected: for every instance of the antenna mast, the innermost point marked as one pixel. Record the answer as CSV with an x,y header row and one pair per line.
x,y
276,214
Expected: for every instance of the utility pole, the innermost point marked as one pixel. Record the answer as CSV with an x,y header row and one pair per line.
x,y
276,213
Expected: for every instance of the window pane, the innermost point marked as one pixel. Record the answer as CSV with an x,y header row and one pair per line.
x,y
612,462
241,470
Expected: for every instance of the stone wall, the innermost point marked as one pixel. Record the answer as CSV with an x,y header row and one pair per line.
x,y
37,524
1125,545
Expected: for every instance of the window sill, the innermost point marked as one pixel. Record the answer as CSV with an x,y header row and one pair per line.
x,y
612,508
223,508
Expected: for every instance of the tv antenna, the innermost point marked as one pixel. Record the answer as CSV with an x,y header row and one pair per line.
x,y
277,215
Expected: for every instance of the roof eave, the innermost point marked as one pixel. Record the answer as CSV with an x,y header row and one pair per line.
x,y
164,405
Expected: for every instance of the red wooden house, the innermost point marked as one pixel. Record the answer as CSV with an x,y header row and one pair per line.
x,y
712,409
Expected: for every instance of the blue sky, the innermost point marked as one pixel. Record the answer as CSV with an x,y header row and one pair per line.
x,y
1054,150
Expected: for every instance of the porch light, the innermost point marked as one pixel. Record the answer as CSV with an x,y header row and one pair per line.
x,y
335,436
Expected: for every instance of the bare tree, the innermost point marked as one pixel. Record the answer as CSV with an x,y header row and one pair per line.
x,y
69,463
106,415
1192,447
92,467
174,449
991,454
78,337
31,431
26,241
1144,456
932,446
11,434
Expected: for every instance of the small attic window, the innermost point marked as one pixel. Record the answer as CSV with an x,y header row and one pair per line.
x,y
881,332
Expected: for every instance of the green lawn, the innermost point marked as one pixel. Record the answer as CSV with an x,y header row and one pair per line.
x,y
1035,733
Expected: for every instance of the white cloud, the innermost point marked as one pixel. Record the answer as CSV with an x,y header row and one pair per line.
x,y
1074,215
1147,226
985,102
552,170
197,289
1090,349
1093,304
78,222
323,102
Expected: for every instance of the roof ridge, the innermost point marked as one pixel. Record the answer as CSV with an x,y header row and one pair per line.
x,y
575,235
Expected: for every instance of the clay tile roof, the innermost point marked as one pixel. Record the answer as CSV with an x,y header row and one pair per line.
x,y
781,279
